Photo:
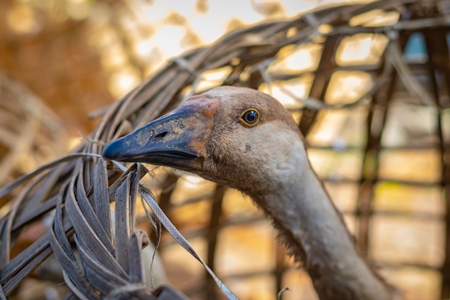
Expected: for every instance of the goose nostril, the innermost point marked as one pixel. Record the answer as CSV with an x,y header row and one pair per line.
x,y
160,135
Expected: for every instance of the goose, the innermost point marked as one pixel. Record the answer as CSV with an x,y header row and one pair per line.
x,y
247,140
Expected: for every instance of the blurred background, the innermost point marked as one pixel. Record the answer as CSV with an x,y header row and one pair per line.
x,y
63,61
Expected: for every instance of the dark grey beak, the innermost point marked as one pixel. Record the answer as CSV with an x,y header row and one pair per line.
x,y
176,140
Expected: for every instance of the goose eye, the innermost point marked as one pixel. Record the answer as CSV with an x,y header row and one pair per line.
x,y
250,117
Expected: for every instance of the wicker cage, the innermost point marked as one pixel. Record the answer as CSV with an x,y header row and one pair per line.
x,y
378,133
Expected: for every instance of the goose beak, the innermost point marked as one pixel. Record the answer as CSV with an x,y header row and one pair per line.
x,y
177,139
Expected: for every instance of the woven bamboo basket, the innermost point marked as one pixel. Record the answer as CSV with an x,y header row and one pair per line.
x,y
388,109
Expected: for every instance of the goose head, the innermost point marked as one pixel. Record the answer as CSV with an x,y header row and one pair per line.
x,y
239,137
247,140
